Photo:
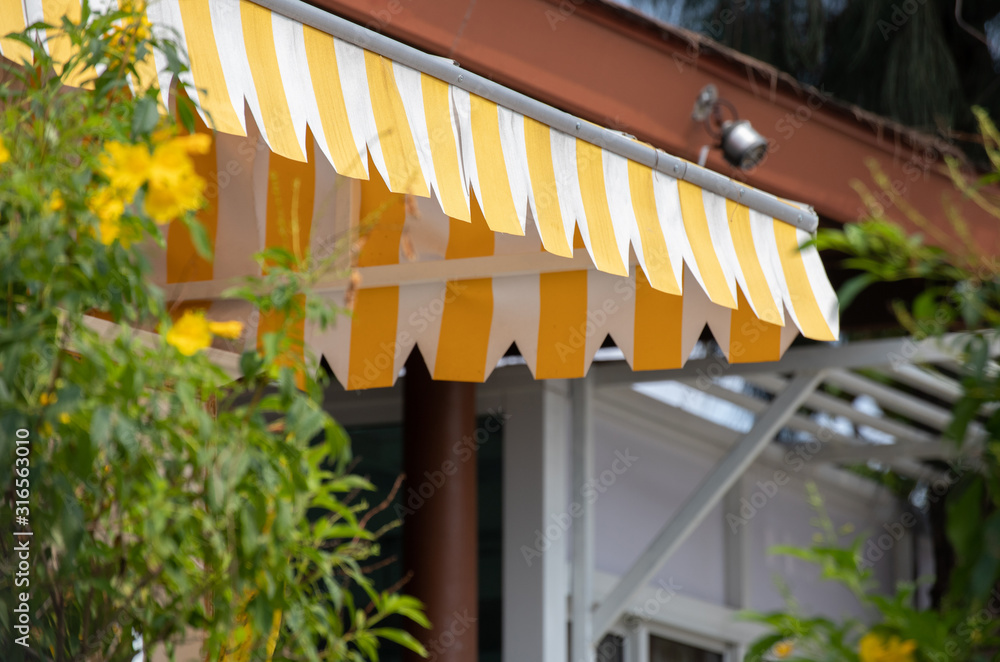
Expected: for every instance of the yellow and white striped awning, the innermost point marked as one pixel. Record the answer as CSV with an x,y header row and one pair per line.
x,y
563,240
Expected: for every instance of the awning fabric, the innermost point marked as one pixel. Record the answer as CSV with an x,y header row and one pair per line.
x,y
560,243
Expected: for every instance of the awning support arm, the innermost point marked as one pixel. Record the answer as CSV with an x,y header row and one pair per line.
x,y
712,489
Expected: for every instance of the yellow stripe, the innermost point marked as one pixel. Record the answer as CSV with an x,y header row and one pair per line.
x,y
468,307
373,338
759,292
330,98
538,141
654,247
444,151
395,136
258,37
811,321
562,325
750,339
61,48
696,226
291,190
473,239
12,20
291,187
498,204
465,331
206,68
373,326
590,168
184,265
657,335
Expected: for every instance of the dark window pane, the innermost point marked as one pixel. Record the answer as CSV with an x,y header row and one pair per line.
x,y
664,650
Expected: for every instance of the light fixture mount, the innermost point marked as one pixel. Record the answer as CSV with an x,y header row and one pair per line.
x,y
741,144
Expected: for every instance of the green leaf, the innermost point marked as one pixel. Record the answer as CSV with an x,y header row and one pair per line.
x,y
402,638
852,288
145,117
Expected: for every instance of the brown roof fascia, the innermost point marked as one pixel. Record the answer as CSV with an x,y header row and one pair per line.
x,y
612,66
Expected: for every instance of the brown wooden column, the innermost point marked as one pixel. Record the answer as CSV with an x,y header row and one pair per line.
x,y
439,533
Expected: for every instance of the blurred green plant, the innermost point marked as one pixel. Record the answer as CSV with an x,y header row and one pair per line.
x,y
165,498
895,631
961,293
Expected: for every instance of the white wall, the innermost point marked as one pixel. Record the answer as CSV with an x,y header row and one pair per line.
x,y
675,452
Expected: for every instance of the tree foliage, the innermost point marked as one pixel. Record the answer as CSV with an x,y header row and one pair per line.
x,y
165,496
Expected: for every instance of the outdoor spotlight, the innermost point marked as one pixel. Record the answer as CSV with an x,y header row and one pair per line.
x,y
741,145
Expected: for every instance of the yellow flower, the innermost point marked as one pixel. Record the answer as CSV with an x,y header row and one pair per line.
x,y
46,399
875,648
55,202
783,649
230,330
108,206
193,333
174,186
64,418
4,152
126,167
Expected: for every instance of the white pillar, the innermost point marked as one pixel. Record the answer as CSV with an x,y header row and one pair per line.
x,y
535,487
582,642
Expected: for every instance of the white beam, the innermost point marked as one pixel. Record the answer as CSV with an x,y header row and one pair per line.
x,y
863,354
713,487
893,399
411,273
582,641
833,405
839,453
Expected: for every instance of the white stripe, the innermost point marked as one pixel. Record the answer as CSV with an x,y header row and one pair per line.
x,y
767,257
619,196
165,15
357,100
826,297
722,240
696,309
568,184
767,237
462,108
516,306
515,158
334,342
421,308
236,238
228,28
602,304
427,231
35,13
293,65
668,211
412,95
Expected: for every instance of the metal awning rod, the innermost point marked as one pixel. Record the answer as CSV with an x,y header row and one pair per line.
x,y
448,71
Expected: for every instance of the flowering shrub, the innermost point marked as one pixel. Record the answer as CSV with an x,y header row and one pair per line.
x,y
896,630
164,497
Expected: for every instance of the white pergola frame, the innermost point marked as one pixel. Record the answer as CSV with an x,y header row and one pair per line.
x,y
898,360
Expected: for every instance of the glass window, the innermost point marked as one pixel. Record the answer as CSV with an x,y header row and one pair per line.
x,y
665,650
